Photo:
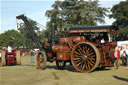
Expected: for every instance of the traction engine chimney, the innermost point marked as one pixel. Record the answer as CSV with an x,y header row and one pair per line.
x,y
53,33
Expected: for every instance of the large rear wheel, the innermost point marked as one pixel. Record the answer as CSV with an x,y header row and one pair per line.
x,y
85,57
3,58
41,60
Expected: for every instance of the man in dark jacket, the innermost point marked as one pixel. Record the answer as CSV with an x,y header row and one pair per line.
x,y
32,56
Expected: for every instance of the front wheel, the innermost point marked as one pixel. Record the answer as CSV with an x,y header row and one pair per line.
x,y
60,64
41,60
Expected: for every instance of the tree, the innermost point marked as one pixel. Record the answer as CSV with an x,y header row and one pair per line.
x,y
13,38
27,35
123,34
74,12
120,14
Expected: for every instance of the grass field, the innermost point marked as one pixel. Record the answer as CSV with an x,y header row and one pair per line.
x,y
27,74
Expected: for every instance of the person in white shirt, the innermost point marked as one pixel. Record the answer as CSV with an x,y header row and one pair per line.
x,y
0,53
0,56
126,52
9,49
122,55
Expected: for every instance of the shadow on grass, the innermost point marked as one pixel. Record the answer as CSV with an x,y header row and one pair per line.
x,y
102,69
67,67
72,69
29,65
120,78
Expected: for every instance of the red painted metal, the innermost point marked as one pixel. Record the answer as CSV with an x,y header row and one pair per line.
x,y
73,40
49,55
60,48
63,40
46,44
63,55
11,58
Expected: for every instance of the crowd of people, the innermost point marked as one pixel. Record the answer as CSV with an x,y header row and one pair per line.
x,y
121,53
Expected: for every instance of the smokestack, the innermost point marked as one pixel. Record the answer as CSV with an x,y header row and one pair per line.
x,y
53,32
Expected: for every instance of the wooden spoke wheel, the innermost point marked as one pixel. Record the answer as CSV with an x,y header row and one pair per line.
x,y
41,60
60,64
85,57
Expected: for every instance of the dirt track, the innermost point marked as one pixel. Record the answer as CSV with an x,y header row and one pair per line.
x,y
27,74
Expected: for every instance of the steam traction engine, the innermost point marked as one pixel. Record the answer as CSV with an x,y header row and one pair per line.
x,y
84,47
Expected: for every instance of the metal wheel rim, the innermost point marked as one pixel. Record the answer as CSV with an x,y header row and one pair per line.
x,y
41,60
85,57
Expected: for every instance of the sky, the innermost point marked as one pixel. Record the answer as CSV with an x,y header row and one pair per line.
x,y
35,9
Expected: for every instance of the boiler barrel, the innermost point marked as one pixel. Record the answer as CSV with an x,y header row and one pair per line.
x,y
60,48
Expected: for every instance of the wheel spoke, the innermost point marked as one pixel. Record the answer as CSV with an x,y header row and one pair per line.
x,y
78,63
84,50
77,53
41,61
90,63
90,50
83,66
91,58
86,65
90,54
87,50
77,58
80,51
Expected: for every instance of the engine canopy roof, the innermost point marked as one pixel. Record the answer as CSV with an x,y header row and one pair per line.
x,y
83,29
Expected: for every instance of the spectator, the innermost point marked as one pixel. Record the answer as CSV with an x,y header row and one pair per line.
x,y
0,56
32,56
117,56
122,55
126,52
9,49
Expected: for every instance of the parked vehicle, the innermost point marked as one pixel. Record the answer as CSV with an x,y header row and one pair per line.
x,y
83,47
10,58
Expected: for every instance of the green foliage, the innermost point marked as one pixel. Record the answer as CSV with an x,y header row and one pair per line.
x,y
11,37
120,14
21,38
74,12
27,35
123,34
